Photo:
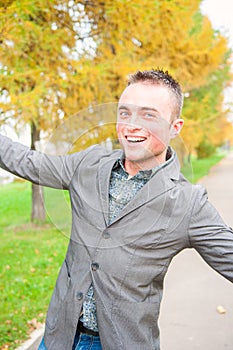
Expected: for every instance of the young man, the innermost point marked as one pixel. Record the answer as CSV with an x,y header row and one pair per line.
x,y
129,221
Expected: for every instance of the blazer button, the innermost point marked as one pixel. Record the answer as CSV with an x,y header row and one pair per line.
x,y
106,234
79,295
94,266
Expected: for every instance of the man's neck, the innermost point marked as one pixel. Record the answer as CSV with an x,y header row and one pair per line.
x,y
133,168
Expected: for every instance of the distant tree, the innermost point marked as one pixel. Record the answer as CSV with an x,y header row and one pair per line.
x,y
205,114
36,46
173,35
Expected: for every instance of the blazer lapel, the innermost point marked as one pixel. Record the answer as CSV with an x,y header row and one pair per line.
x,y
104,173
160,183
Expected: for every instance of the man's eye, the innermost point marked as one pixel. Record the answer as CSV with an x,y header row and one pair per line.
x,y
150,115
124,113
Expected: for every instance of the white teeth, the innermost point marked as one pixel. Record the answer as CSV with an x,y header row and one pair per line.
x,y
135,139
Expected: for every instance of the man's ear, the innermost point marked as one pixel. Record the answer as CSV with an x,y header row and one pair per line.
x,y
176,127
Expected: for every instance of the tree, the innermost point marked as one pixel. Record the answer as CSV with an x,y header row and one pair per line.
x,y
206,117
173,35
35,38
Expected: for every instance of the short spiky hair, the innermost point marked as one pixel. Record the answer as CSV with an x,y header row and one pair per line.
x,y
160,77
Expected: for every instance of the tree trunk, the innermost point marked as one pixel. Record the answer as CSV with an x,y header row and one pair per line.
x,y
38,207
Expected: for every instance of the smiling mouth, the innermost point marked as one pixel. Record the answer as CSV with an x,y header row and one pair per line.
x,y
135,139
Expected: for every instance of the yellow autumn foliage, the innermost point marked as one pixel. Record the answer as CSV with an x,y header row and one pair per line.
x,y
60,57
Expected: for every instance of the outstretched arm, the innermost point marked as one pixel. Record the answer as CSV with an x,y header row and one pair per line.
x,y
211,237
39,168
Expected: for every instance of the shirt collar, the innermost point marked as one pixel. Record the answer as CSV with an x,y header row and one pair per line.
x,y
146,174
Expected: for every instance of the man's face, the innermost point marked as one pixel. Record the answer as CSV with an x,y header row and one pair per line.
x,y
144,126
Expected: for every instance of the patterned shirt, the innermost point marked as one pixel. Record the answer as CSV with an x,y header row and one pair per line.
x,y
123,187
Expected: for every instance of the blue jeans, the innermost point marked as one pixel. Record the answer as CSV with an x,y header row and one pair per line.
x,y
81,342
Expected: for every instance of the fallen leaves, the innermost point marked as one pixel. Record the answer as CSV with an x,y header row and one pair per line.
x,y
8,321
34,324
5,347
221,310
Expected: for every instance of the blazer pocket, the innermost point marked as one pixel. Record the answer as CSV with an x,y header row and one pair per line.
x,y
136,320
59,294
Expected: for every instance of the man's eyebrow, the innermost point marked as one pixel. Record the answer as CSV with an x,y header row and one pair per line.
x,y
141,109
144,108
123,107
148,109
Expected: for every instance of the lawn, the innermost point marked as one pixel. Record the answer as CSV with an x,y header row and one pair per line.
x,y
198,168
30,255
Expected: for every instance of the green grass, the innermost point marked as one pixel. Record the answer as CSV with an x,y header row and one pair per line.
x,y
195,169
30,255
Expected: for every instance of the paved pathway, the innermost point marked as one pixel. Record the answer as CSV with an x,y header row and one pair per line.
x,y
193,291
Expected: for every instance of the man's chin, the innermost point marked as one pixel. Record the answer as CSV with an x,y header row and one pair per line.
x,y
145,161
137,158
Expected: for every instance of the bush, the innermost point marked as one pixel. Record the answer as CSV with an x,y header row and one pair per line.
x,y
205,150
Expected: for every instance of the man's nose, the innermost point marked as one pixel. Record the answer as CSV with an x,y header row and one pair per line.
x,y
134,121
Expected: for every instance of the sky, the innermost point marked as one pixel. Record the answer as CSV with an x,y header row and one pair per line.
x,y
220,14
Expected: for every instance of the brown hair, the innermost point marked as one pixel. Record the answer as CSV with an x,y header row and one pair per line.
x,y
160,77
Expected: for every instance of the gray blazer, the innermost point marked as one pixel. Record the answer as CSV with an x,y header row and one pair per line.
x,y
127,260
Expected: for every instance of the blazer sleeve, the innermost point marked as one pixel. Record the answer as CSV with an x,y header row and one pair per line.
x,y
37,167
210,236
